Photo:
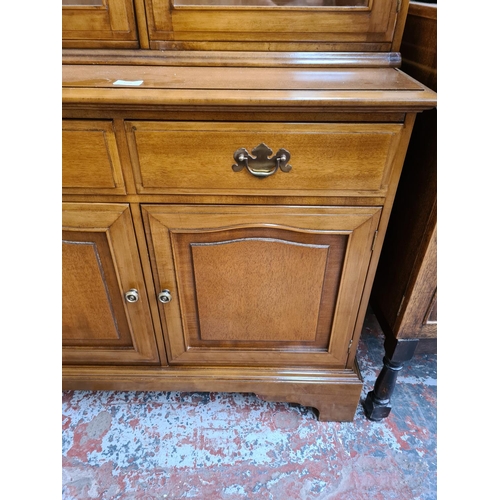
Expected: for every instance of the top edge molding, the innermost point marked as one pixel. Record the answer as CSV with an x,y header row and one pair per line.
x,y
234,59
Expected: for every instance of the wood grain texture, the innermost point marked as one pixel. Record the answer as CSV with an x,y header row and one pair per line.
x,y
106,329
335,393
92,310
270,278
90,159
399,160
262,46
174,230
421,295
242,295
197,158
405,285
354,89
242,78
352,25
242,58
419,44
105,26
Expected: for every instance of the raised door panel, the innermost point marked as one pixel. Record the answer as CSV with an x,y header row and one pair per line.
x,y
260,285
99,24
265,22
100,265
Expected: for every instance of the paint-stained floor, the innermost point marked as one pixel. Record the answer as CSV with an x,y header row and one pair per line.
x,y
175,445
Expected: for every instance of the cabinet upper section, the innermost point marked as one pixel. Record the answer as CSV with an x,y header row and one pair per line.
x,y
260,25
99,24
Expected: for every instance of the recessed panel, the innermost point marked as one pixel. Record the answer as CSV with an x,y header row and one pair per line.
x,y
259,289
90,159
92,307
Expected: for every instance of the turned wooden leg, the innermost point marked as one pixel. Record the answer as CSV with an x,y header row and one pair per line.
x,y
397,352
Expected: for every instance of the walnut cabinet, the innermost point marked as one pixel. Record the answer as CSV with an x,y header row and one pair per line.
x,y
224,212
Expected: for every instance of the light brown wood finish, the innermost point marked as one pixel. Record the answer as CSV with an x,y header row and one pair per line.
x,y
270,277
365,25
196,158
241,59
142,25
353,89
90,158
101,263
110,24
242,79
335,393
179,238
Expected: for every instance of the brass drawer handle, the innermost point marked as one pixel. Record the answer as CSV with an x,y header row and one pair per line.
x,y
260,164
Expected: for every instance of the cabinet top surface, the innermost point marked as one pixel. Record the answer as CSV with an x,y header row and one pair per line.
x,y
242,78
115,84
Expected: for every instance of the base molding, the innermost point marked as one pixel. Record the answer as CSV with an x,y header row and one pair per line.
x,y
334,394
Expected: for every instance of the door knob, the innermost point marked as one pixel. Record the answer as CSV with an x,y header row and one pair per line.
x,y
165,296
132,295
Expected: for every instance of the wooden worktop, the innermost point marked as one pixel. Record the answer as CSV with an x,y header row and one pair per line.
x,y
386,88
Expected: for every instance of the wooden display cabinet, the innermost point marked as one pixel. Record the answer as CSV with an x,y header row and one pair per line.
x,y
224,210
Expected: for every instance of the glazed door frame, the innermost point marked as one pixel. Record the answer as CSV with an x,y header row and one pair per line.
x,y
374,22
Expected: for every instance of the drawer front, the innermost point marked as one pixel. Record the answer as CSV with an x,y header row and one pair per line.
x,y
90,160
325,159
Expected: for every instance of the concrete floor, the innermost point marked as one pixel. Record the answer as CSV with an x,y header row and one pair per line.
x,y
159,445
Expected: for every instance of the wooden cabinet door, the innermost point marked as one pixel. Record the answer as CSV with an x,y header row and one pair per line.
x,y
271,25
100,265
256,285
99,24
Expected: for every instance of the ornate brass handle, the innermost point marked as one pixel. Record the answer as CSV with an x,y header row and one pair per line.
x,y
261,165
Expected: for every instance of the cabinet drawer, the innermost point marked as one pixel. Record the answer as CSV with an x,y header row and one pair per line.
x,y
326,159
90,160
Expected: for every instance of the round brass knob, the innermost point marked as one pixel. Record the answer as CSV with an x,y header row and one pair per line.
x,y
165,296
132,295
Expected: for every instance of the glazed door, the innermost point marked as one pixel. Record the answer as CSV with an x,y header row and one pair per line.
x,y
106,316
272,24
244,285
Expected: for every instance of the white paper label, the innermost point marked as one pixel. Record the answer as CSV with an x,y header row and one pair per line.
x,y
125,82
